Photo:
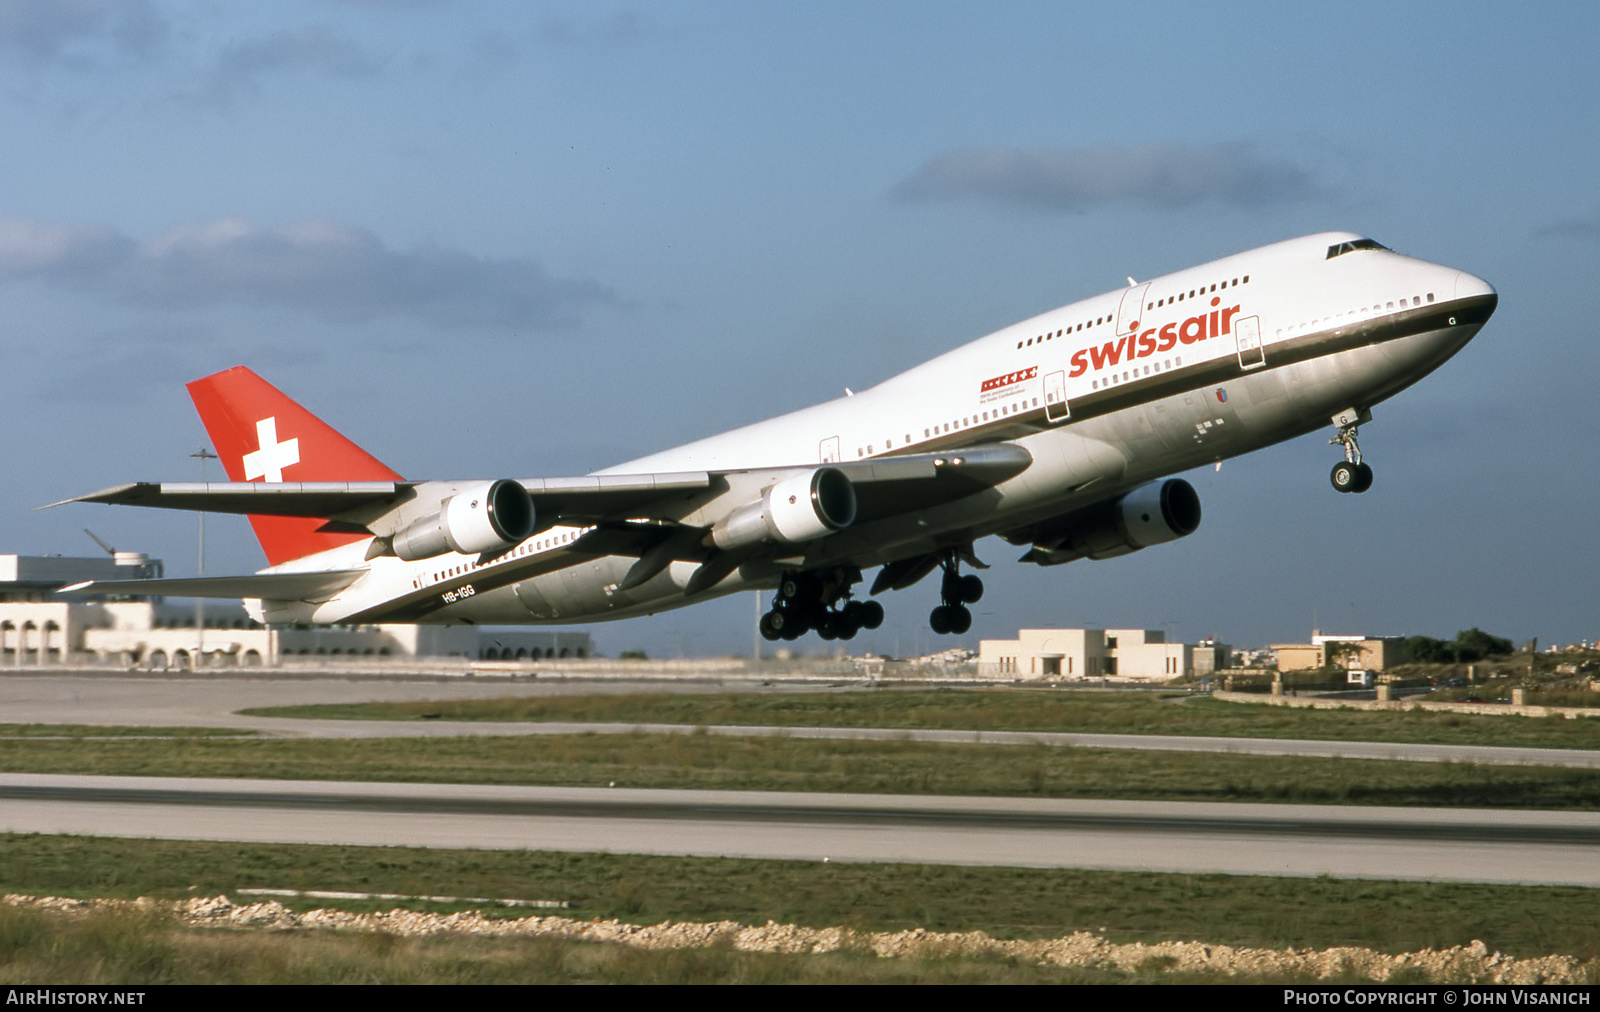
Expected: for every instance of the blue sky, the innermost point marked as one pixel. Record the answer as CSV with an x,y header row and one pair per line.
x,y
535,239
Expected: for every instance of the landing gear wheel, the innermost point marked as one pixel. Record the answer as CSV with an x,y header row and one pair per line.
x,y
772,625
950,618
871,614
1363,478
1345,476
971,589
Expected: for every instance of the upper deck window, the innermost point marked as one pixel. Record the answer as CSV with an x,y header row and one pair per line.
x,y
1340,249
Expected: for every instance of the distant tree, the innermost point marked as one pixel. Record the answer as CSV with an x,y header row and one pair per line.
x,y
1469,645
633,655
1474,644
1426,650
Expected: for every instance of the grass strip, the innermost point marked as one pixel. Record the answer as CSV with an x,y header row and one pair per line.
x,y
717,762
116,731
1000,708
1124,907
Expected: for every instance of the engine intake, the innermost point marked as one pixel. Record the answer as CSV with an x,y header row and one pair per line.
x,y
482,516
799,508
1149,515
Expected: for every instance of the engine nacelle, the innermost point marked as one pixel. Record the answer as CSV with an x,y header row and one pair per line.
x,y
1149,515
799,508
480,517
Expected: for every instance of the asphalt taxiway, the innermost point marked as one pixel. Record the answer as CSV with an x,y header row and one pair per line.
x,y
202,702
1543,848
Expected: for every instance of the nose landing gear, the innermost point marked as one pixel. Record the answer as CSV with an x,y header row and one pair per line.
x,y
955,593
1350,474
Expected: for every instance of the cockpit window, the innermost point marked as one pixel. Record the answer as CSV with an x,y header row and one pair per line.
x,y
1340,249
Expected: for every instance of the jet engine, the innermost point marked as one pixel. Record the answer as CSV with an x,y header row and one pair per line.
x,y
482,516
799,508
1149,515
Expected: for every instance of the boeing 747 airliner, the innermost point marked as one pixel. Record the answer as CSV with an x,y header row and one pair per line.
x,y
1058,434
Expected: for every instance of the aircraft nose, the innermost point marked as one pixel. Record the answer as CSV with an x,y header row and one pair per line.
x,y
1469,285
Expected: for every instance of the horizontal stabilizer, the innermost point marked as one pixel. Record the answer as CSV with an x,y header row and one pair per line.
x,y
269,586
280,499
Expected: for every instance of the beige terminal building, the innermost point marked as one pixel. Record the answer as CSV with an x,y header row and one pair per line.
x,y
39,627
1140,654
1369,653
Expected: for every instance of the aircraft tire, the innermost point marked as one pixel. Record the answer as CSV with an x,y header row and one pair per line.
x,y
1343,476
961,620
871,615
939,619
971,589
771,626
1363,478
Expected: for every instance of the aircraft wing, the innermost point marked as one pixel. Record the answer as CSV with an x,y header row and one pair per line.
x,y
884,485
275,586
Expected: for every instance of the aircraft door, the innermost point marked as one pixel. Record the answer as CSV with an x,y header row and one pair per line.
x,y
828,450
1132,309
1247,332
1055,397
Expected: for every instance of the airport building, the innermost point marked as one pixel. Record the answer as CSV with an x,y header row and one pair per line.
x,y
1139,654
1370,653
40,627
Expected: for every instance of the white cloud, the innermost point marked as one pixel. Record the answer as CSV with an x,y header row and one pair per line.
x,y
1162,176
325,268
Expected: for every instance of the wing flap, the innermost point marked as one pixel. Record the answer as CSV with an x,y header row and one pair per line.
x,y
603,496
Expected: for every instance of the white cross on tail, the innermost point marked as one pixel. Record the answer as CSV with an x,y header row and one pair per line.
x,y
268,462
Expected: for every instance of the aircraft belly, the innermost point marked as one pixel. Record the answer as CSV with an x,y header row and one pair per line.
x,y
528,593
574,592
499,606
1136,431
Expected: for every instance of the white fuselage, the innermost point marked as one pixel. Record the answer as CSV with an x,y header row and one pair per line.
x,y
1106,394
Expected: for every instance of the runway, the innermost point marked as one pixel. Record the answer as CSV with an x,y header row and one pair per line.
x,y
1545,848
178,702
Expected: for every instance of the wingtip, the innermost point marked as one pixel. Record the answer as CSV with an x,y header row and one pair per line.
x,y
99,496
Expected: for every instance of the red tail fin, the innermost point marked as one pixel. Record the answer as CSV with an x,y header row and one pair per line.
x,y
262,435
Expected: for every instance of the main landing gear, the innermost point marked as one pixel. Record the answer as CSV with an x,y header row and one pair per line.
x,y
955,593
1350,474
819,601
